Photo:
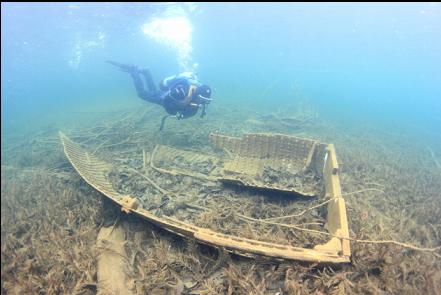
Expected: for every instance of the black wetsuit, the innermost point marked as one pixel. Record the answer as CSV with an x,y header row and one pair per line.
x,y
152,94
181,95
163,96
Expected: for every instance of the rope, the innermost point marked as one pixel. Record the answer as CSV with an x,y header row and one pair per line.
x,y
405,245
321,204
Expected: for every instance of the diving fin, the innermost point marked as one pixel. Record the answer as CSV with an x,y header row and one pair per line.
x,y
129,68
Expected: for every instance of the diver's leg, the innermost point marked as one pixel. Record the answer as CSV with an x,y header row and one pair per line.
x,y
148,79
142,93
134,72
153,96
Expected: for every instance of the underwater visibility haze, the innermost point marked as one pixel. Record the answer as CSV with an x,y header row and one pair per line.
x,y
363,76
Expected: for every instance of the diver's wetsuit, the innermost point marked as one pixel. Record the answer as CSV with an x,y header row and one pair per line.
x,y
152,94
163,96
180,95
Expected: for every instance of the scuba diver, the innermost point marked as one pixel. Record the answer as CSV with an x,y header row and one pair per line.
x,y
181,95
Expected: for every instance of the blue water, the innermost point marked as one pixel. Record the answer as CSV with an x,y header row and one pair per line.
x,y
372,63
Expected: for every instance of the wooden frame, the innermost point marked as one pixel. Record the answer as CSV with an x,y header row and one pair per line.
x,y
336,250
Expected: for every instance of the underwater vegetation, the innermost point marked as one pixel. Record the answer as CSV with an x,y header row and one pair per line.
x,y
362,77
51,217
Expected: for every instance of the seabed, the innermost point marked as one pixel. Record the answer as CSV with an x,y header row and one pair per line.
x,y
206,208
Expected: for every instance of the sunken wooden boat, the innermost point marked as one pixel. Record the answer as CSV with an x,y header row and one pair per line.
x,y
251,160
